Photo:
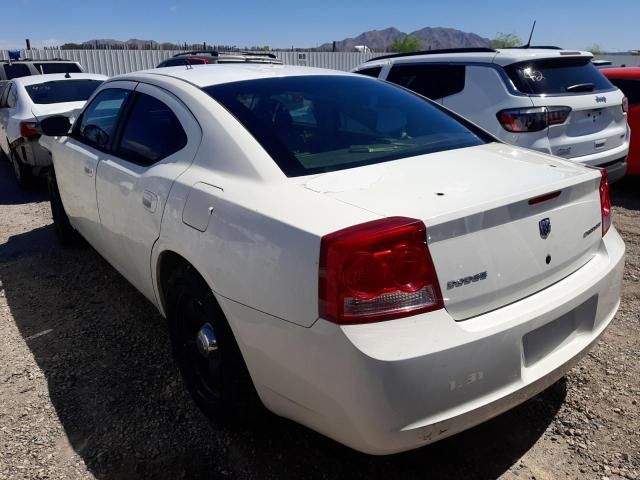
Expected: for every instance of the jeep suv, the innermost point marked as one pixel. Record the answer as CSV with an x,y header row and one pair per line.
x,y
23,68
544,98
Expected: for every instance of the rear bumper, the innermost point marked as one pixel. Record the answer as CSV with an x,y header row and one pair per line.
x,y
392,386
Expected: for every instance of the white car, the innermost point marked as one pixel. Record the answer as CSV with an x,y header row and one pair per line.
x,y
370,265
24,102
547,99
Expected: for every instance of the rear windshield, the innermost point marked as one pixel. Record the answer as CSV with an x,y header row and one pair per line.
x,y
315,124
16,70
51,67
557,76
61,91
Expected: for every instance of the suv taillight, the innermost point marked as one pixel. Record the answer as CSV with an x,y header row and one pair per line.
x,y
28,129
625,104
605,202
375,271
532,119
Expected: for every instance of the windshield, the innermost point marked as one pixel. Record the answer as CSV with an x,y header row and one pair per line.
x,y
558,76
60,91
316,124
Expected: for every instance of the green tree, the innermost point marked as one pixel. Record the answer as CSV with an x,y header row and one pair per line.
x,y
405,45
595,49
505,40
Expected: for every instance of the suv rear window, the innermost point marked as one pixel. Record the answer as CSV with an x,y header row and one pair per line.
x,y
630,87
316,124
557,75
61,91
51,67
16,70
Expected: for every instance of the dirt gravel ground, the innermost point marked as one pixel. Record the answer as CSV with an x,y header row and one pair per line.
x,y
88,388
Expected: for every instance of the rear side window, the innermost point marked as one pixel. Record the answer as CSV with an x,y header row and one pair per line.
x,y
562,75
51,67
370,72
430,80
315,123
62,91
152,132
631,89
97,124
16,70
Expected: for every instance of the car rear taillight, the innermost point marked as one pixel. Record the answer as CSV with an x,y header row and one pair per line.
x,y
375,271
532,119
625,104
605,202
28,129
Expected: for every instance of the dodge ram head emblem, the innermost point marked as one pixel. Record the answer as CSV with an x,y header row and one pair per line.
x,y
545,227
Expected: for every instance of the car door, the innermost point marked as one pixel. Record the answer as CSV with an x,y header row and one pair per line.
x,y
76,158
6,110
157,141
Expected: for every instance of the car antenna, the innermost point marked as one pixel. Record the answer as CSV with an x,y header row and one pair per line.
x,y
531,35
67,75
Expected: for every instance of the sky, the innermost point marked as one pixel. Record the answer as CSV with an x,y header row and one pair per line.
x,y
568,23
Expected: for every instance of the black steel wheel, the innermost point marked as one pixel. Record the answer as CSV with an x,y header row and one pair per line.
x,y
65,232
207,354
22,172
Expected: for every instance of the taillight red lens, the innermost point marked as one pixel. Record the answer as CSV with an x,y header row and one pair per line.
x,y
625,105
605,202
377,271
28,129
520,120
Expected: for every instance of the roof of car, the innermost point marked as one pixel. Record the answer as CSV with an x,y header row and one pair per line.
x,y
503,56
218,73
48,77
622,72
44,60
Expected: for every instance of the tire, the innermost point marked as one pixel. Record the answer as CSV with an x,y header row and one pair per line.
x,y
65,232
219,382
22,172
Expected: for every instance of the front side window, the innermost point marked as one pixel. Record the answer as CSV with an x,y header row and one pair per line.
x,y
52,67
60,91
433,81
16,70
97,124
315,124
562,75
12,96
152,132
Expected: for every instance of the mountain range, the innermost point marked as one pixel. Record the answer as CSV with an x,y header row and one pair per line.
x,y
429,38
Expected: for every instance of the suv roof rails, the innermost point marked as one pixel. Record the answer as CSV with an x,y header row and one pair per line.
x,y
213,53
435,52
258,54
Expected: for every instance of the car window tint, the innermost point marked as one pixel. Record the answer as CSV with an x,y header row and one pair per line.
x,y
152,132
61,91
97,123
52,67
316,124
16,70
12,96
370,72
564,75
630,87
431,80
4,90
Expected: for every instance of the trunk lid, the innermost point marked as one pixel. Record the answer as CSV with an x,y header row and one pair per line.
x,y
42,111
488,244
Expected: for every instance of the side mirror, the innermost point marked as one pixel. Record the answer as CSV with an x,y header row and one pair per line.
x,y
56,126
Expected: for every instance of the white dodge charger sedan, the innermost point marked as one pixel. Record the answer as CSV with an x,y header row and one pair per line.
x,y
355,257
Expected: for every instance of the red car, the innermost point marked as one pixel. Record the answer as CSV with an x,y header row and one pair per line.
x,y
627,79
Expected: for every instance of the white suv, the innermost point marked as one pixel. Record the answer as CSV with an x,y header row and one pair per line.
x,y
551,100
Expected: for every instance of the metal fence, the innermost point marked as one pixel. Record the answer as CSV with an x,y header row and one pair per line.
x,y
115,62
